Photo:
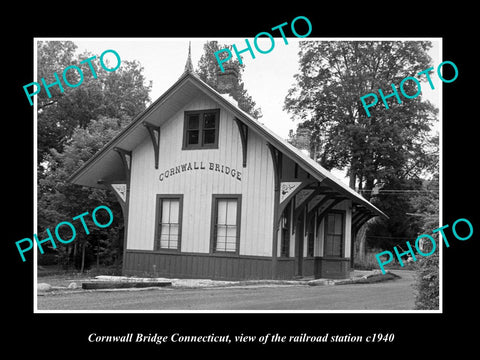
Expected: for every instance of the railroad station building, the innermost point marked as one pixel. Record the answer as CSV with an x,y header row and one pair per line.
x,y
207,191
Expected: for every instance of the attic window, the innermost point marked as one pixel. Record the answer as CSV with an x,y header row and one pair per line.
x,y
200,129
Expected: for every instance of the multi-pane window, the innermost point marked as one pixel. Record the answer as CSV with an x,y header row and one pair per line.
x,y
226,227
169,223
193,129
334,224
201,129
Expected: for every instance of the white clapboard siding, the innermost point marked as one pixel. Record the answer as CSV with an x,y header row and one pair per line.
x,y
197,186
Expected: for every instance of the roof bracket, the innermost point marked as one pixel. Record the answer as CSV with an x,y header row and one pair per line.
x,y
154,132
301,208
243,129
277,164
358,221
321,215
126,158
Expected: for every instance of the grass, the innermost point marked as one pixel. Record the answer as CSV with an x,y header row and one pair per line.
x,y
371,263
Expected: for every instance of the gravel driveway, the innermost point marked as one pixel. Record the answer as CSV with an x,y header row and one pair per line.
x,y
389,295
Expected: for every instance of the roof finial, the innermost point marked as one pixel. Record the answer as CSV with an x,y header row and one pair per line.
x,y
188,65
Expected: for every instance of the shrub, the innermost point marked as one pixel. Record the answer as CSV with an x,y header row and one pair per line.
x,y
47,259
427,283
369,262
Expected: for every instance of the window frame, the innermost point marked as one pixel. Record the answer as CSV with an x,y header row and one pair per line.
x,y
213,233
285,229
325,234
158,219
200,145
310,225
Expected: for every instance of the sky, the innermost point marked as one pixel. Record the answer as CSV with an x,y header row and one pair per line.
x,y
267,78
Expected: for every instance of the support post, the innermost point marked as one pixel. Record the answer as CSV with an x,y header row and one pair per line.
x,y
276,160
126,158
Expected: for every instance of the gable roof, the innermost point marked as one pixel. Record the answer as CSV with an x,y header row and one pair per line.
x,y
106,165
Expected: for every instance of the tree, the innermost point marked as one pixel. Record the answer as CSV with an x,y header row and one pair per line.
x,y
72,127
326,99
427,278
208,71
377,151
395,199
60,200
411,203
112,94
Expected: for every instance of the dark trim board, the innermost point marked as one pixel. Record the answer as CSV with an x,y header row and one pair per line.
x,y
285,268
332,268
196,265
317,267
211,266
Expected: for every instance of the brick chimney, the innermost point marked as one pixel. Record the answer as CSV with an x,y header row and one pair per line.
x,y
227,82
